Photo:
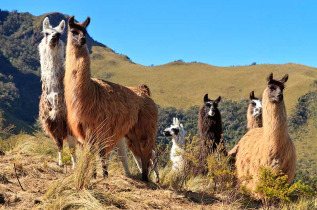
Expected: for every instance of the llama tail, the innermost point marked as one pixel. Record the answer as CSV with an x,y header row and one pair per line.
x,y
145,89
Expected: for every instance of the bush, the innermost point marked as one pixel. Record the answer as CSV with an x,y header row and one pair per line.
x,y
275,190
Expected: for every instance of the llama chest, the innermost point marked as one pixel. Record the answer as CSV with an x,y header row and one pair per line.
x,y
177,157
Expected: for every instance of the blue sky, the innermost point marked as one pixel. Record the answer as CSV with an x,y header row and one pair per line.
x,y
221,33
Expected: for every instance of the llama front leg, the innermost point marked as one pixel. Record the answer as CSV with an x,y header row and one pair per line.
x,y
72,141
145,168
122,154
59,143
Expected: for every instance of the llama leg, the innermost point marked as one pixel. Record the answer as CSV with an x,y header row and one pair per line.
x,y
72,146
59,143
122,154
153,162
104,162
145,168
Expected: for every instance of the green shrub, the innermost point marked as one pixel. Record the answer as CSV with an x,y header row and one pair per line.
x,y
275,190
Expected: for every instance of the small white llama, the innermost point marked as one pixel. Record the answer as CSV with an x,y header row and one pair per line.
x,y
177,132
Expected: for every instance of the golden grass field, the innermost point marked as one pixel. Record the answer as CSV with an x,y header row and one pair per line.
x,y
182,85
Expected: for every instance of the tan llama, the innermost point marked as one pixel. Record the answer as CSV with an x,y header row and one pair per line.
x,y
103,112
269,146
254,118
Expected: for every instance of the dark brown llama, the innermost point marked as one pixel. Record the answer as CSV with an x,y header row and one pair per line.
x,y
210,130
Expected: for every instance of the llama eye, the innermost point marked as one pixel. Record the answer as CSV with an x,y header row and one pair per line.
x,y
46,34
272,88
253,104
74,32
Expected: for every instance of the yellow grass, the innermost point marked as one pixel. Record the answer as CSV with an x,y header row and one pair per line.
x,y
182,85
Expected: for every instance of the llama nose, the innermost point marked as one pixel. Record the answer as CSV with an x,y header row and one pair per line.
x,y
83,41
56,36
166,133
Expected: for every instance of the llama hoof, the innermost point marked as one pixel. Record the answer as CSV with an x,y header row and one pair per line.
x,y
105,174
157,180
94,175
145,178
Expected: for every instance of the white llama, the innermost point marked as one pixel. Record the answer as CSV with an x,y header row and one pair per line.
x,y
52,113
177,132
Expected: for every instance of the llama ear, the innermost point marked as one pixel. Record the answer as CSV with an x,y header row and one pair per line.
x,y
218,99
174,121
71,21
87,21
181,125
270,77
61,26
46,23
284,79
252,95
206,98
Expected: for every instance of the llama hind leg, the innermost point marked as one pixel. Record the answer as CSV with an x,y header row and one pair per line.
x,y
122,154
72,146
153,162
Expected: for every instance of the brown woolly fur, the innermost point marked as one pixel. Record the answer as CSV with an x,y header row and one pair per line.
x,y
210,129
57,128
269,146
106,112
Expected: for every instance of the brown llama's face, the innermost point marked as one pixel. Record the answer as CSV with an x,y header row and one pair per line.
x,y
276,88
256,105
211,106
77,32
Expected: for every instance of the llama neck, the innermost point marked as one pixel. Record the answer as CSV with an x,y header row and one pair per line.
x,y
274,120
77,76
253,122
178,141
52,65
52,74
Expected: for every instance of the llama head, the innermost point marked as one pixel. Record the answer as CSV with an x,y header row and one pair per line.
x,y
77,32
52,35
255,105
275,88
211,106
176,131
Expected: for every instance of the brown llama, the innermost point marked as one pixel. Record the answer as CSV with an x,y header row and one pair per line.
x,y
254,118
103,112
210,130
269,146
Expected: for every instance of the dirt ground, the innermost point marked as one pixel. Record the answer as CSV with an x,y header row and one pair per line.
x,y
38,173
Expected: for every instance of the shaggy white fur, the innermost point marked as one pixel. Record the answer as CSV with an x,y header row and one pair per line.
x,y
177,132
52,65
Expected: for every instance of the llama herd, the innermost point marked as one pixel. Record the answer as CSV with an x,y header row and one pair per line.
x,y
92,111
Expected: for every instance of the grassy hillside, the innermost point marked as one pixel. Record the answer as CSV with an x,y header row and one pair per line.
x,y
182,84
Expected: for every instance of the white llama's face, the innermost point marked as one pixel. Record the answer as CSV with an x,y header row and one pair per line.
x,y
52,35
176,130
256,109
